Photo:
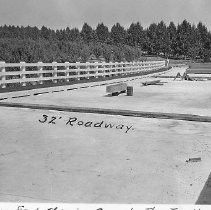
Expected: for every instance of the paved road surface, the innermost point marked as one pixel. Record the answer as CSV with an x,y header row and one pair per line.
x,y
51,156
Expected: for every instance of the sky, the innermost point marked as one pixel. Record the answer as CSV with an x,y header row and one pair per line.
x,y
59,14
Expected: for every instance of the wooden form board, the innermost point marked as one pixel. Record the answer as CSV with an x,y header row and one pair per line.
x,y
198,71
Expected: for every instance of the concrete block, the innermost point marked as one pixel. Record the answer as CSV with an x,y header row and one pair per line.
x,y
116,88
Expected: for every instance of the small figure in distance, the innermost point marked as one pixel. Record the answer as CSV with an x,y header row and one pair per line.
x,y
186,77
178,76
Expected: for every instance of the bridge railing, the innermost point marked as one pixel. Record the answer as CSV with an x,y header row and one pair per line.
x,y
37,73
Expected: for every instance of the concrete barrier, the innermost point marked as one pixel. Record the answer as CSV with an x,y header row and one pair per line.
x,y
117,88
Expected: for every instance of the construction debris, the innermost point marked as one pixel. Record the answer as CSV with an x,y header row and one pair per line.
x,y
178,76
185,76
194,160
154,82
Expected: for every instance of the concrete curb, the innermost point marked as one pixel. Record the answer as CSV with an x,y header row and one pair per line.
x,y
130,113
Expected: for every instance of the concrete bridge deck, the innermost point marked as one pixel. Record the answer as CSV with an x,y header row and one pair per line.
x,y
173,97
58,156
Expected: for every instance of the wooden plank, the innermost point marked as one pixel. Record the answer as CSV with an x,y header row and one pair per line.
x,y
198,71
14,73
199,65
77,64
151,82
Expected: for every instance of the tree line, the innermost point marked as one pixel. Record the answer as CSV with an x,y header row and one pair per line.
x,y
31,44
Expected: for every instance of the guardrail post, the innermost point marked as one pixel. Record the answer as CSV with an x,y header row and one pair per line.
x,y
142,66
103,69
96,72
55,72
3,77
121,69
67,71
145,66
112,69
87,67
23,75
134,70
148,66
138,67
139,63
127,69
78,70
117,68
110,66
40,75
132,66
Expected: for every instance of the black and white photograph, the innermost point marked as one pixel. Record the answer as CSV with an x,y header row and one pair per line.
x,y
105,102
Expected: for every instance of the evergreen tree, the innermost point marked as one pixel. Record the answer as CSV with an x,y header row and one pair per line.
x,y
74,35
31,44
87,33
135,35
172,36
102,32
195,44
183,35
162,43
118,34
204,41
45,33
152,38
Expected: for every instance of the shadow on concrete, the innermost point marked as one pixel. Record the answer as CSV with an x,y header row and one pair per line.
x,y
114,94
205,195
108,95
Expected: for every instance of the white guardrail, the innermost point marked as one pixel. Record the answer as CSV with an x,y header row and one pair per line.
x,y
37,73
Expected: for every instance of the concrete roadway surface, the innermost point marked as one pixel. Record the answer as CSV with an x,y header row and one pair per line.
x,y
52,156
